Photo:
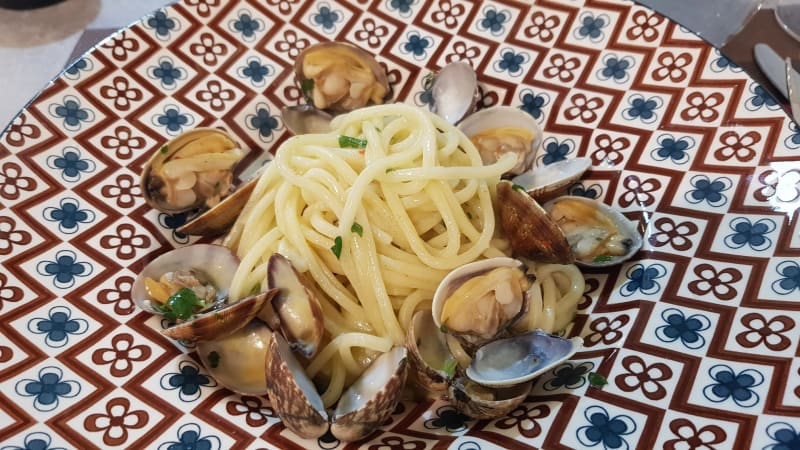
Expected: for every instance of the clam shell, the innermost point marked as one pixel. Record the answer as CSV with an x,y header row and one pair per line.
x,y
215,261
521,358
627,227
292,394
297,308
427,353
547,182
368,402
449,91
150,188
236,361
378,71
532,232
220,218
220,322
505,116
505,399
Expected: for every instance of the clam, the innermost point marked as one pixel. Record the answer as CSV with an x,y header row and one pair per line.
x,y
519,359
363,407
499,130
193,170
454,90
220,218
236,361
340,77
430,359
598,234
220,322
297,310
549,181
479,301
531,231
206,269
480,402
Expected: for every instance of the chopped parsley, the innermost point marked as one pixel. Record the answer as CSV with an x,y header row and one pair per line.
x,y
603,258
450,367
213,360
352,142
597,380
518,187
357,229
182,305
164,149
337,247
307,86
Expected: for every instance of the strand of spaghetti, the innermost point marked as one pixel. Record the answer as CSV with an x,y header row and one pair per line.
x,y
452,232
241,284
335,386
411,303
367,341
503,164
549,298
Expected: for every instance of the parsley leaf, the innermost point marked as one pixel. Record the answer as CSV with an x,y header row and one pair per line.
x,y
213,360
450,367
164,149
597,380
603,258
352,142
357,229
182,305
307,86
337,247
518,187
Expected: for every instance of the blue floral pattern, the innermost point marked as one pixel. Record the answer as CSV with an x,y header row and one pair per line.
x,y
593,190
591,26
327,18
173,120
709,191
793,140
761,98
166,73
512,62
493,21
416,45
246,26
603,430
569,376
784,435
74,71
643,279
449,418
64,269
264,122
754,235
403,7
533,103
553,150
172,222
789,278
642,109
721,63
255,71
735,386
71,164
34,441
71,112
48,389
187,381
162,24
686,329
68,215
616,69
672,148
58,326
190,437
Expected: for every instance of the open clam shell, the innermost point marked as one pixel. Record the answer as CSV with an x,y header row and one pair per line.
x,y
340,76
428,353
236,361
519,359
215,262
220,218
502,129
546,182
454,91
220,322
363,407
191,171
481,403
531,231
599,235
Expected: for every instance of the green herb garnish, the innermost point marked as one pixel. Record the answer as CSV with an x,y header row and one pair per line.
x,y
351,142
603,258
164,149
450,367
389,170
307,86
182,305
597,380
213,360
357,229
443,328
517,187
337,247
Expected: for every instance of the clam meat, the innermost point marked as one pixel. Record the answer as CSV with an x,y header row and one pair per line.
x,y
340,77
191,171
597,234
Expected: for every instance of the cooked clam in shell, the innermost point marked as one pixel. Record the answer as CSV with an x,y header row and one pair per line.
x,y
236,361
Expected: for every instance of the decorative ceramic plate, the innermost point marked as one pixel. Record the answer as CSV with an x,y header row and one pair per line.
x,y
698,335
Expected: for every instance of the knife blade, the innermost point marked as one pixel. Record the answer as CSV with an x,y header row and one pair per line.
x,y
793,87
773,66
